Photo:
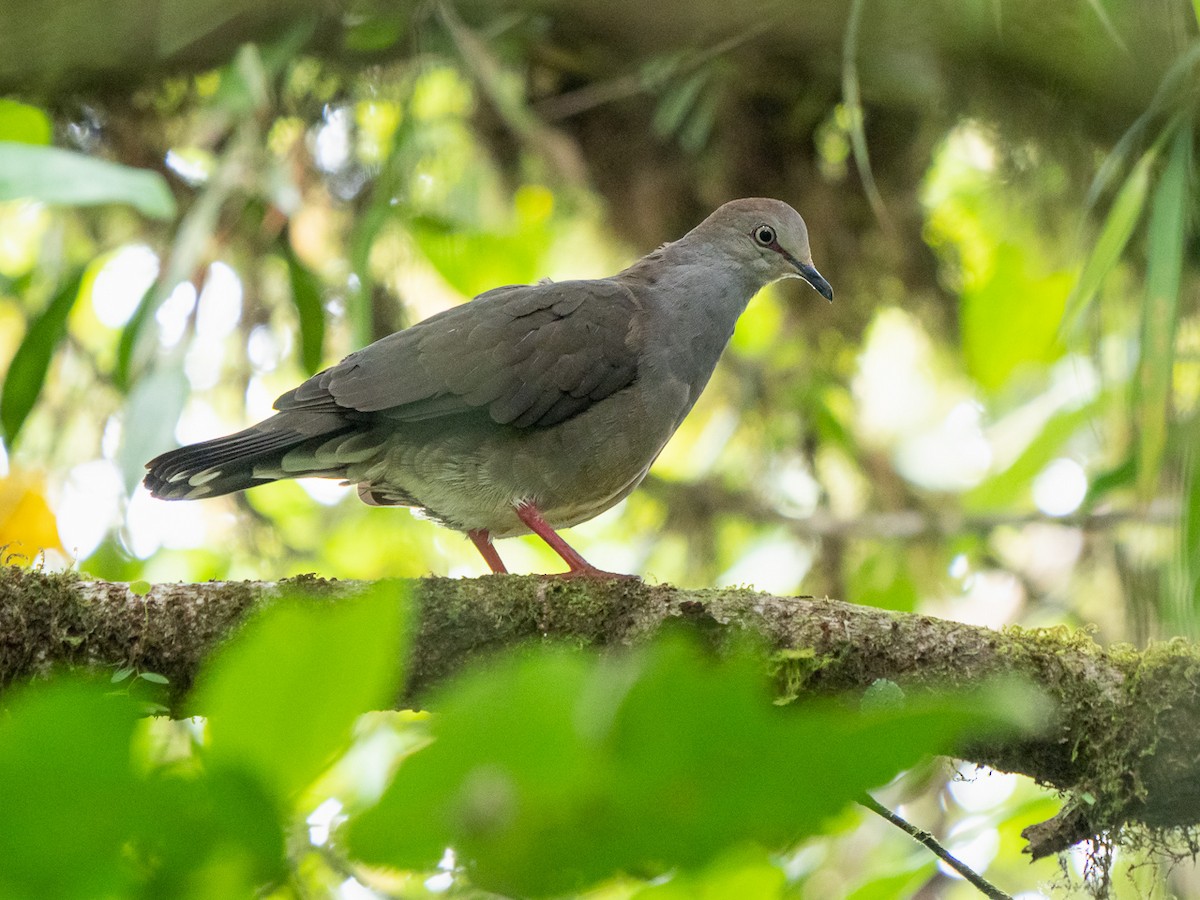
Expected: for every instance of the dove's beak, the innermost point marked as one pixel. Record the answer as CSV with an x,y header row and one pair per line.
x,y
810,274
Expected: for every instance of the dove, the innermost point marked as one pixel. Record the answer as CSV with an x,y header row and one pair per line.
x,y
529,409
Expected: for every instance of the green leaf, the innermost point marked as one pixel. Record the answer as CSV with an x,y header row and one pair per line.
x,y
1178,79
23,124
306,295
903,883
1118,477
879,575
154,678
699,126
151,411
215,835
53,175
128,341
140,588
1013,485
1012,317
1168,232
70,797
1189,538
677,101
376,31
282,695
745,872
550,771
27,372
476,261
1119,224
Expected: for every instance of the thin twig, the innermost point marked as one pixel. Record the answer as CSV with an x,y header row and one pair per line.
x,y
853,100
984,886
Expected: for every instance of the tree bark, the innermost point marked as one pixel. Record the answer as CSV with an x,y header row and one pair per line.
x,y
1121,744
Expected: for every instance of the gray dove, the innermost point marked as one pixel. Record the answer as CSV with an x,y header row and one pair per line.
x,y
530,408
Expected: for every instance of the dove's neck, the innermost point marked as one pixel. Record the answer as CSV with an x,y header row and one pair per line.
x,y
697,292
695,279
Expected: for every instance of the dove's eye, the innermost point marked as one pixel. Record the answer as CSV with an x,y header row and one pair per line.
x,y
765,235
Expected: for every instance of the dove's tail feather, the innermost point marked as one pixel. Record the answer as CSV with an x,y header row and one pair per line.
x,y
238,461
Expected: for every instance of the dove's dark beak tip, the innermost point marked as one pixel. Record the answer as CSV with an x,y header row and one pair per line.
x,y
810,274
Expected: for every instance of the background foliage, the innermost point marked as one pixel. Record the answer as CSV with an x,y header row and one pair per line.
x,y
995,422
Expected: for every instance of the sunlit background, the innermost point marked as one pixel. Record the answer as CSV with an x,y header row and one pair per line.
x,y
987,425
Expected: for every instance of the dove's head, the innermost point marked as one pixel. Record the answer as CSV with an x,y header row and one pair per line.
x,y
769,237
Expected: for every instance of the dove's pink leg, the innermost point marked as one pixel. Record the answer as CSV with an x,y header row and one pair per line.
x,y
483,543
529,514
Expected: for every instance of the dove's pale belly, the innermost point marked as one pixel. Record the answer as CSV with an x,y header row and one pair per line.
x,y
472,478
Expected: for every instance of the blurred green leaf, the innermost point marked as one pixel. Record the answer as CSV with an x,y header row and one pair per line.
x,y
213,835
550,771
27,372
1013,485
1178,79
1187,594
677,101
306,295
477,261
1114,236
1120,476
151,412
1168,231
1012,318
282,695
23,124
699,125
128,341
360,313
112,562
70,797
882,578
380,28
894,884
743,873
53,175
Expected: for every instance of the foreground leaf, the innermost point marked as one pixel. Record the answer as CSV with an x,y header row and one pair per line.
x,y
70,797
282,696
551,771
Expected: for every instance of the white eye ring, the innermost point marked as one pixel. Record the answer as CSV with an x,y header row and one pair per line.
x,y
765,235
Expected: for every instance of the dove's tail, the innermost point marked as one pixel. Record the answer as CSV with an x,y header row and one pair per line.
x,y
268,451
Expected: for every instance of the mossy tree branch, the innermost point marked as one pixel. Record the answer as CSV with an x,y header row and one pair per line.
x,y
1122,743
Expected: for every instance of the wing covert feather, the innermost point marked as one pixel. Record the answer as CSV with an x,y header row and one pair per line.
x,y
530,355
